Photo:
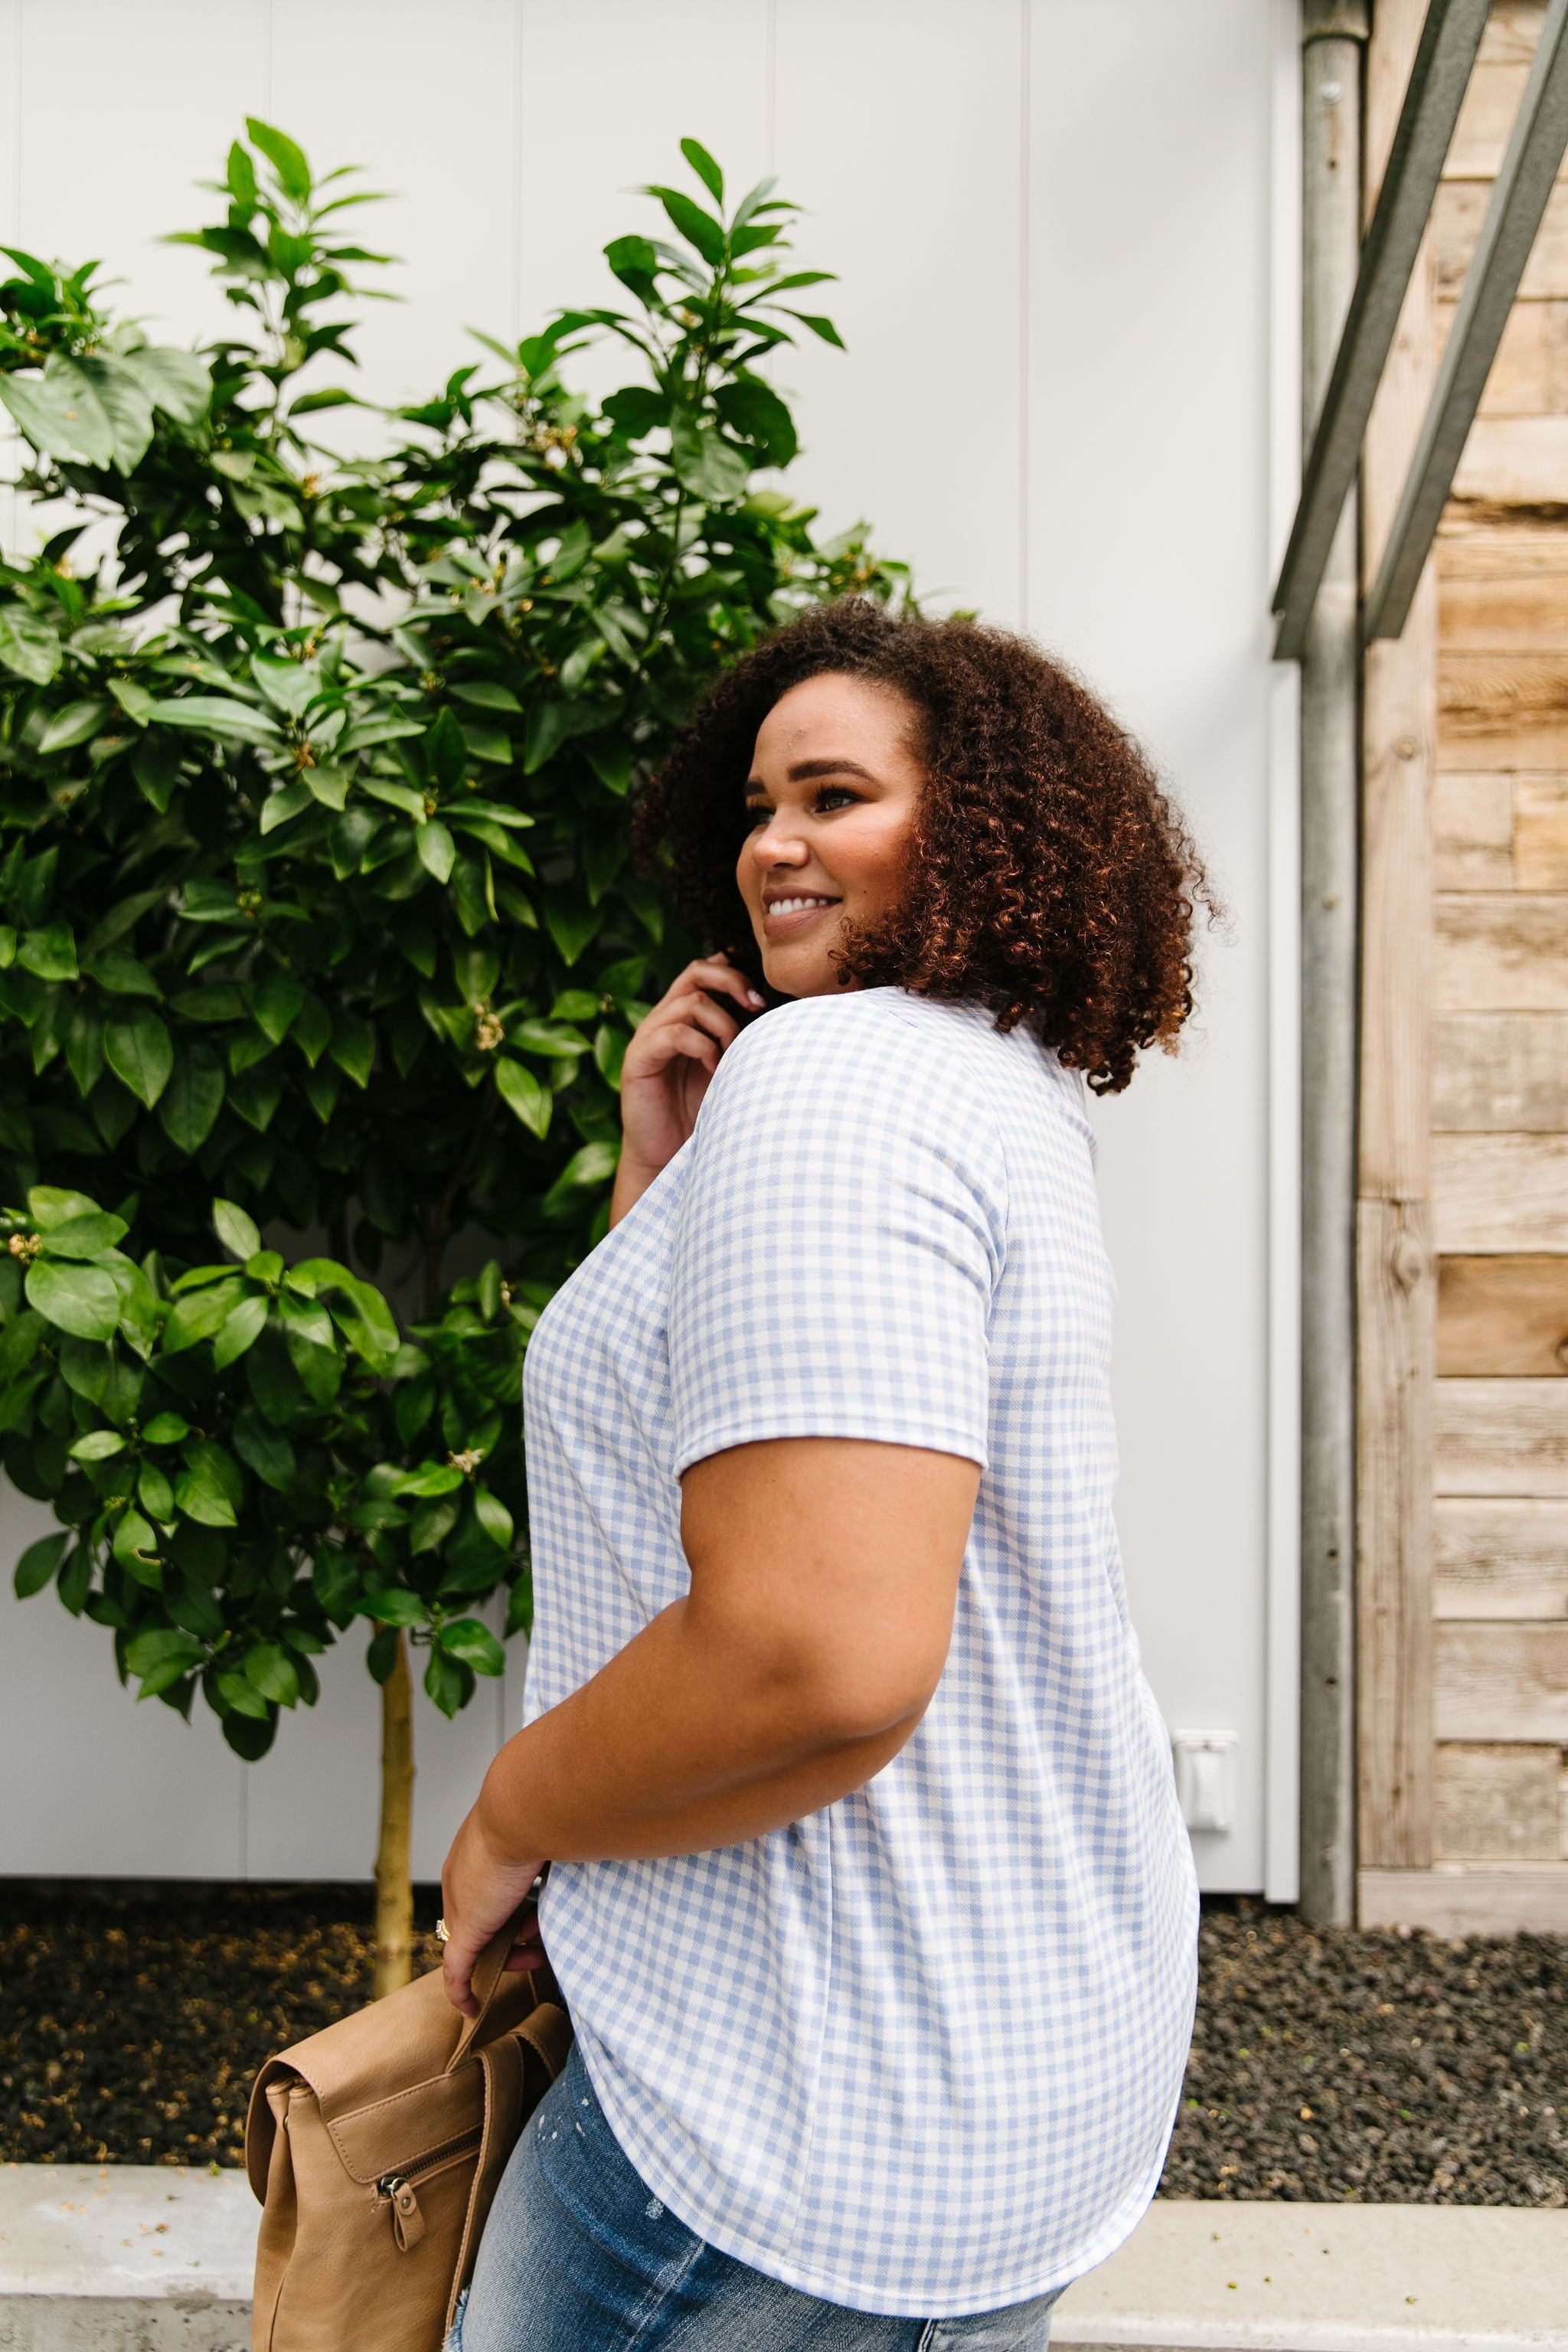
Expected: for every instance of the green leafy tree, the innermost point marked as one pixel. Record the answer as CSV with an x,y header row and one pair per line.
x,y
314,894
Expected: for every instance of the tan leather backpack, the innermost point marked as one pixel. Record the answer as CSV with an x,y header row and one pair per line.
x,y
375,2147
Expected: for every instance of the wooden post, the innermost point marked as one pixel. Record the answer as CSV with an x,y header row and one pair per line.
x,y
1396,1279
393,1887
1333,36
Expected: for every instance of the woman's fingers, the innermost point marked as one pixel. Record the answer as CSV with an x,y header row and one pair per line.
x,y
714,971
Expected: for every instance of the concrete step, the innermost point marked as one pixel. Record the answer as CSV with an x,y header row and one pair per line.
x,y
146,2258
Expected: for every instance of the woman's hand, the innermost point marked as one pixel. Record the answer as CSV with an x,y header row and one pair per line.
x,y
481,1891
673,1053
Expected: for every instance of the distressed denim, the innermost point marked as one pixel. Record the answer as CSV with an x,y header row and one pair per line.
x,y
579,2256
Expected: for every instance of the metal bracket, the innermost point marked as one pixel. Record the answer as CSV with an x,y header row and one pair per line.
x,y
1535,149
1439,76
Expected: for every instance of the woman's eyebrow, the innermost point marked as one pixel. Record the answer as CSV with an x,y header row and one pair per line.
x,y
805,770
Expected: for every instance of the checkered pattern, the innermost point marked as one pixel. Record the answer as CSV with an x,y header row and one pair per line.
x,y
919,2053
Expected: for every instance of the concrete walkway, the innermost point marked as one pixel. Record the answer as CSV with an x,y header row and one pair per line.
x,y
144,2258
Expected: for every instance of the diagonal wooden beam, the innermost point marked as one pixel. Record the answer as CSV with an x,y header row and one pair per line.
x,y
1439,76
1523,186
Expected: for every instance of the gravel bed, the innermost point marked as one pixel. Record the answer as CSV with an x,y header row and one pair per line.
x,y
1326,2065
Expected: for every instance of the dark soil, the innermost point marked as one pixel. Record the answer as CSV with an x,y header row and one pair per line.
x,y
1325,2064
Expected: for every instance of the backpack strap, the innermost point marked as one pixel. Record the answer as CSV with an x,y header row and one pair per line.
x,y
546,2035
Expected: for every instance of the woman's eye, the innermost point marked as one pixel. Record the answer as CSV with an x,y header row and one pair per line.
x,y
839,793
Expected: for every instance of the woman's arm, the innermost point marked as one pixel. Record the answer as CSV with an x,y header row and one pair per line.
x,y
824,1572
674,1051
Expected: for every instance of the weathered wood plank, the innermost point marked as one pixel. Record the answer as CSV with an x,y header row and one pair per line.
x,y
1505,615
1513,27
1541,832
1494,1802
1515,461
1396,1283
1470,547
1499,710
1501,1072
1530,375
1500,952
1456,218
1396,1290
1499,1194
1499,1556
1485,120
1502,1682
1472,830
1501,1437
1529,1897
1502,1317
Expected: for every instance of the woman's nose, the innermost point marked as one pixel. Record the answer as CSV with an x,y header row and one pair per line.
x,y
777,843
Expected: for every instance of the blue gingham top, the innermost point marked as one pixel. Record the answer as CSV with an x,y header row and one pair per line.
x,y
919,2053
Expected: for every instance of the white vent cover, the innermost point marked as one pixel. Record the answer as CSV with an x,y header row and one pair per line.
x,y
1205,1778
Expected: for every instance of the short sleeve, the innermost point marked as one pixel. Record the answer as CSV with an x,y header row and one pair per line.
x,y
840,1240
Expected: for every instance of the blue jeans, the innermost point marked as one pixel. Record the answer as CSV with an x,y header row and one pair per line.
x,y
579,2256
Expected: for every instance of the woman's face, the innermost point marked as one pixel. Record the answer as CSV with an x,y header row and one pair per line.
x,y
831,797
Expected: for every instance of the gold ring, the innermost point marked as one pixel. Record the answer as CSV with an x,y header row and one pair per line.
x,y
443,1933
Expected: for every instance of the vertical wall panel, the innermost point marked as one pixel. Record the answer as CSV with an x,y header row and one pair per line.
x,y
1056,294
441,143
899,129
122,108
607,89
1148,569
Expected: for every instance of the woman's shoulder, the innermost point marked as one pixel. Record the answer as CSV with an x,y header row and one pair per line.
x,y
879,1039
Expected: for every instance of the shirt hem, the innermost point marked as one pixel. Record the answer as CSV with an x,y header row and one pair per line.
x,y
849,2292
881,1429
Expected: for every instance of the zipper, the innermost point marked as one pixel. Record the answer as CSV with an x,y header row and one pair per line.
x,y
398,2188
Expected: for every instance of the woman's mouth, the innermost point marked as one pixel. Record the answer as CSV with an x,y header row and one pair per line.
x,y
793,913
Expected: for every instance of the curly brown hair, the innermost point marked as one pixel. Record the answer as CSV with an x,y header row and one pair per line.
x,y
1048,877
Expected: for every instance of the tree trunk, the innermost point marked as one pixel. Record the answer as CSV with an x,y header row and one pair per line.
x,y
394,1886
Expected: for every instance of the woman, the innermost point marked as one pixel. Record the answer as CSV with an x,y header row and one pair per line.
x,y
868,1891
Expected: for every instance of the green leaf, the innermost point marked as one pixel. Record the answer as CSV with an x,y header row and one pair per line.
x,y
137,1048
122,975
155,1493
73,725
704,463
434,1478
242,1329
275,1002
98,1445
165,1429
52,1206
819,326
437,848
88,1236
494,1517
189,1106
210,1487
195,1315
571,927
556,1039
235,1230
485,694
353,1045
280,806
135,1546
239,1694
174,381
157,1644
60,413
447,1682
77,1298
124,403
38,1563
138,705
523,1094
698,227
395,1607
51,952
475,1644
271,1670
706,169
264,1449
29,648
210,714
286,158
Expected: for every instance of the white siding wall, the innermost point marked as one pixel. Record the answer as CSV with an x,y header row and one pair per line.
x,y
1064,251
